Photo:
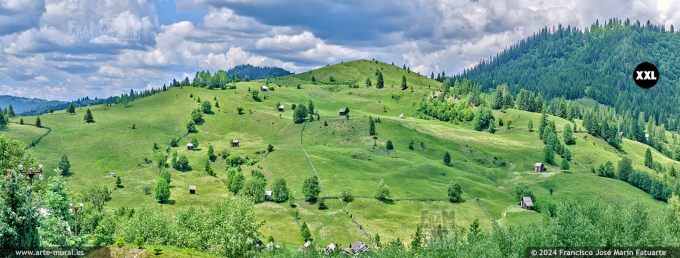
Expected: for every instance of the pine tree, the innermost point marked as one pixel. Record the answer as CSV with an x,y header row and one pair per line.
x,y
403,83
564,165
368,82
88,116
548,154
10,111
371,126
71,109
417,240
38,123
65,166
304,231
649,162
543,124
568,135
447,158
380,83
389,145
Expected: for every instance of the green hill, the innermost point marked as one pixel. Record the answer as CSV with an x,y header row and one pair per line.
x,y
337,149
596,62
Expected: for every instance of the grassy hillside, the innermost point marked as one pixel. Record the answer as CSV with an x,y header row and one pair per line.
x,y
487,166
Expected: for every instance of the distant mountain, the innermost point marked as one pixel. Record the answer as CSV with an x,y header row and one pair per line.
x,y
23,105
595,62
256,72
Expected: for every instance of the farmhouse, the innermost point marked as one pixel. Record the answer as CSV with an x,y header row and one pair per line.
x,y
235,143
192,189
344,111
190,146
358,247
539,167
264,88
527,203
282,108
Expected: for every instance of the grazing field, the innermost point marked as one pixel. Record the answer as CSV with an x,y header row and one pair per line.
x,y
339,151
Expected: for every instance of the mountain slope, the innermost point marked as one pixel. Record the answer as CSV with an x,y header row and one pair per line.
x,y
597,63
21,104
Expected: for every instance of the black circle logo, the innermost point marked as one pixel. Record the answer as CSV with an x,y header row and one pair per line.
x,y
646,75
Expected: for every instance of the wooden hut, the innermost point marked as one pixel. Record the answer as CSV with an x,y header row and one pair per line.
x,y
527,203
358,248
282,108
343,111
235,143
192,189
539,167
264,88
190,146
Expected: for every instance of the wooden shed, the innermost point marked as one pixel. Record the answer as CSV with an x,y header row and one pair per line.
x,y
358,247
282,108
344,111
235,143
190,146
264,88
539,167
527,203
192,189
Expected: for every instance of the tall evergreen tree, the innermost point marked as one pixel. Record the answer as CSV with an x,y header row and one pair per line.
x,y
65,166
371,126
38,123
568,135
380,82
403,83
71,109
88,116
649,162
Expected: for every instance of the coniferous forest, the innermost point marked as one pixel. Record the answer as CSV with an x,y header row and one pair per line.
x,y
595,62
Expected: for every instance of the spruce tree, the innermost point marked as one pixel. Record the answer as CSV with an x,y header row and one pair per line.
x,y
455,193
568,135
10,111
71,109
389,145
371,126
530,126
38,123
403,83
65,166
649,162
447,158
380,83
88,116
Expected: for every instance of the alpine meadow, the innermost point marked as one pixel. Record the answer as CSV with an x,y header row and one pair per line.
x,y
362,157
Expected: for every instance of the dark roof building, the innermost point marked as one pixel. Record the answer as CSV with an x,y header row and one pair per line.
x,y
359,247
344,111
539,167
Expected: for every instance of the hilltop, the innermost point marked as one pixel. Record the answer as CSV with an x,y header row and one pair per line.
x,y
127,139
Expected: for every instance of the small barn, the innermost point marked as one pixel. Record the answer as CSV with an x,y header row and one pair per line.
x,y
264,88
330,249
282,108
344,111
306,246
539,167
192,189
527,203
235,143
267,195
190,146
358,247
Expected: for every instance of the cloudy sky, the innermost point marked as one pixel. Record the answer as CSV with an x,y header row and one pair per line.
x,y
64,49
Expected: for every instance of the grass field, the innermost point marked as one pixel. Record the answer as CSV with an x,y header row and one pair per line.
x,y
487,166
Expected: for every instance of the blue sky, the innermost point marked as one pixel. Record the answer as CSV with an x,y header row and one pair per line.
x,y
65,49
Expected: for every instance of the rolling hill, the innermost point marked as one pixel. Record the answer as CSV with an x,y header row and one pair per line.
x,y
336,149
22,105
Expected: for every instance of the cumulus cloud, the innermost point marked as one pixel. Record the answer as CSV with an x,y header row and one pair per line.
x,y
72,48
